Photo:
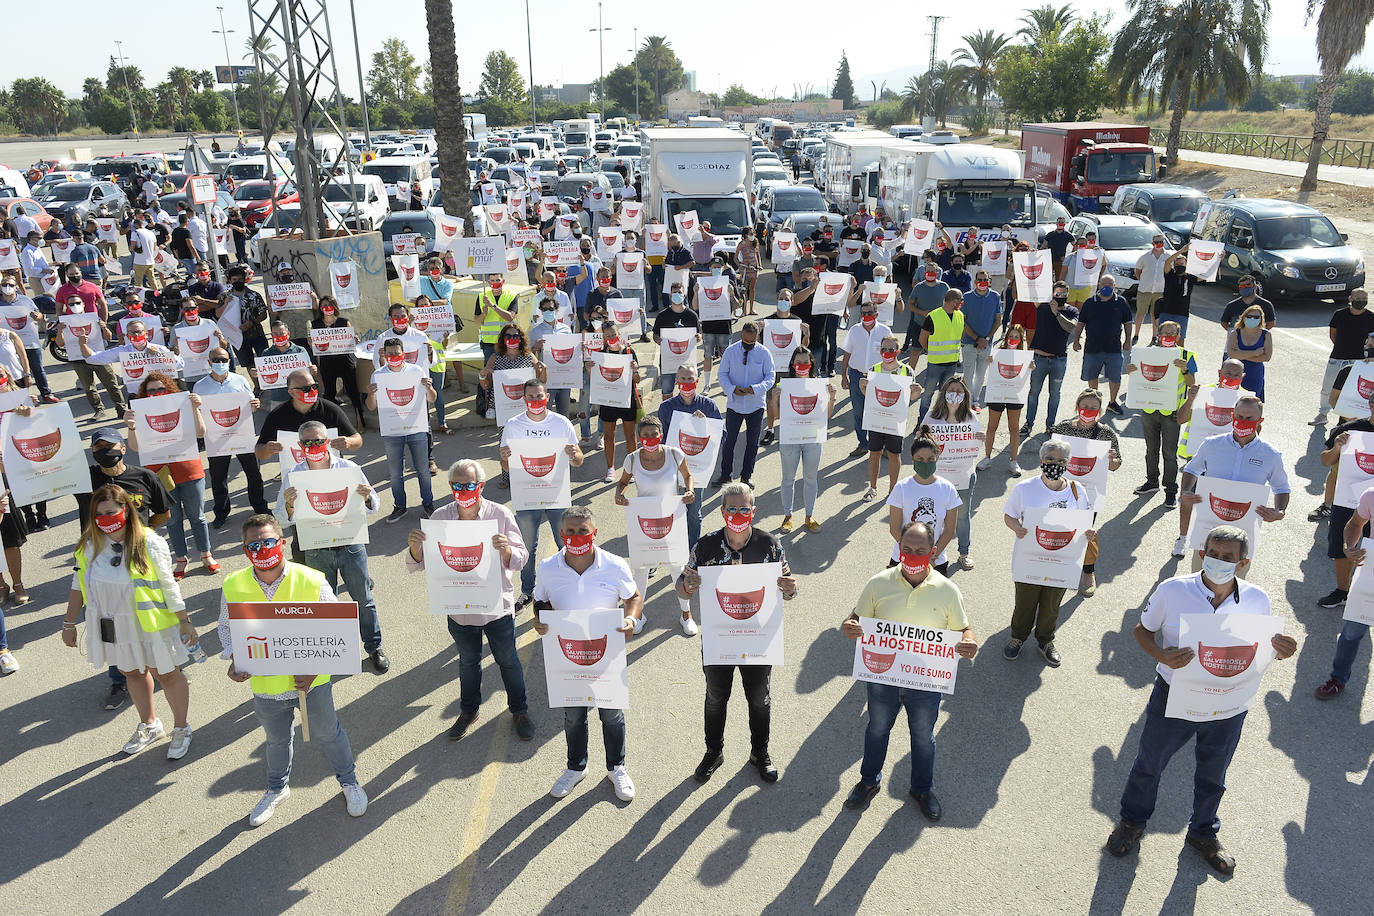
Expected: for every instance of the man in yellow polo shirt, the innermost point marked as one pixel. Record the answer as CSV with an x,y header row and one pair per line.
x,y
911,593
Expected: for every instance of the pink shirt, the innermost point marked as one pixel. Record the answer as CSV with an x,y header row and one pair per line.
x,y
487,511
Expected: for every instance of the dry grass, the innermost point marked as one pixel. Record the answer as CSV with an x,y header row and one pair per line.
x,y
1334,199
1292,123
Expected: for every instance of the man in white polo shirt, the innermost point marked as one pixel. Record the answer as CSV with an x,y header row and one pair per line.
x,y
1216,590
582,576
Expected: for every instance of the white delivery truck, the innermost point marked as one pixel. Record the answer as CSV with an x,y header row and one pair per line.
x,y
706,169
851,168
579,132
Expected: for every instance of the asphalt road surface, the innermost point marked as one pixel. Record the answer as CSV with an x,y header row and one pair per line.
x,y
1030,766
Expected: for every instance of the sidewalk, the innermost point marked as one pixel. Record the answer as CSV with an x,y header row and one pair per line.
x,y
1337,174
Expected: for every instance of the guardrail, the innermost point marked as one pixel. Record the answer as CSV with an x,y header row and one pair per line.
x,y
1335,151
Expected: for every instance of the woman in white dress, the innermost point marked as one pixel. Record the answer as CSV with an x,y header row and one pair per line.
x,y
135,616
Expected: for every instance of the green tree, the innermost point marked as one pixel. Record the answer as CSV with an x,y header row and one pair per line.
x,y
935,92
1341,29
116,77
979,56
659,65
395,74
738,95
1064,78
92,91
1045,23
844,84
501,79
620,90
40,105
1189,50
1354,94
449,127
111,115
208,106
182,83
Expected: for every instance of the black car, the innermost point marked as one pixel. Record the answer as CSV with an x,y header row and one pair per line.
x,y
1172,207
777,204
80,199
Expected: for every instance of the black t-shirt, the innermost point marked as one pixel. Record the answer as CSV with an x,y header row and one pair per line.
x,y
762,547
334,359
1058,242
1354,426
826,249
143,485
1352,328
285,418
1177,297
678,257
181,243
1050,336
668,318
1231,314
861,272
853,232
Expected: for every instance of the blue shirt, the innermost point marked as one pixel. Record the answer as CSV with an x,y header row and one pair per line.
x,y
740,370
675,404
443,289
981,313
1254,462
1103,321
1050,336
581,276
87,257
961,280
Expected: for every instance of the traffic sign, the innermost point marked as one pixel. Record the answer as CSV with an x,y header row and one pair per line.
x,y
201,188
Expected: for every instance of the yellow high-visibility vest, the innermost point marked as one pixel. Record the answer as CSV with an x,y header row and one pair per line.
x,y
943,344
150,604
299,583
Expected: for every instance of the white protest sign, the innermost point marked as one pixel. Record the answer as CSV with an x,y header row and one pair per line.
x,y
295,637
656,240
105,230
1089,463
166,428
688,226
960,446
901,655
673,275
407,243
9,255
408,272
699,439
274,369
194,343
1087,266
498,218
1051,552
919,235
656,530
832,293
462,568
884,298
741,614
1204,259
62,251
887,403
339,340
86,325
1355,469
228,420
508,386
539,474
784,250
995,258
548,209
584,659
479,255
289,296
1227,502
678,348
1359,603
631,214
612,379
19,319
402,402
515,266
435,321
563,226
1034,273
1008,376
1353,401
137,364
1231,654
629,270
43,456
713,298
804,410
447,231
329,511
609,241
599,200
1154,384
563,359
849,251
780,337
1212,412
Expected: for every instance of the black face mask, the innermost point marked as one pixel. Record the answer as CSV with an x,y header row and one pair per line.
x,y
239,284
1179,268
1061,299
108,458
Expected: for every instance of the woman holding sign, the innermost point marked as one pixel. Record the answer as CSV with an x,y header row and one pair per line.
x,y
891,364
341,366
807,454
135,616
512,352
188,481
1086,426
1251,343
958,432
615,342
1015,339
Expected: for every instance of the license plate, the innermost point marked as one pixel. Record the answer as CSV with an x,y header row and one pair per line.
x,y
1331,287
1106,198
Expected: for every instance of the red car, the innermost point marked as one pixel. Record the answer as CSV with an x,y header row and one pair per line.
x,y
258,199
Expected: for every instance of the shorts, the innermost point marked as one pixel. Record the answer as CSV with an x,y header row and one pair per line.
x,y
1096,365
1081,293
713,345
1024,314
1145,304
1335,531
885,442
1001,406
619,414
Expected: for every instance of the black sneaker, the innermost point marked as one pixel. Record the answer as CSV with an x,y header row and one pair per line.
x,y
1171,500
767,438
427,509
859,451
396,515
117,695
708,766
1051,654
219,523
1335,599
1115,408
768,772
1025,430
1124,838
524,727
1146,487
860,796
1319,513
1012,650
380,662
461,725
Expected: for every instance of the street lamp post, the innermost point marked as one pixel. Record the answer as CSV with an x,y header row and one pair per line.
x,y
601,52
362,90
634,59
133,112
234,90
529,44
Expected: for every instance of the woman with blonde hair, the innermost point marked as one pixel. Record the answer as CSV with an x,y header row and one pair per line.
x,y
1252,344
135,616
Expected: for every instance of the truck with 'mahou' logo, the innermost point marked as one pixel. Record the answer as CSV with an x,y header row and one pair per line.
x,y
1083,163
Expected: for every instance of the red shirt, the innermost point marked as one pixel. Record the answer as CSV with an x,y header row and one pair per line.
x,y
89,293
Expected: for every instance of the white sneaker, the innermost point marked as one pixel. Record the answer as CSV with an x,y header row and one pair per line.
x,y
491,413
266,805
1180,547
610,476
143,736
624,785
639,622
566,782
357,799
689,626
870,494
8,663
985,464
181,743
1014,469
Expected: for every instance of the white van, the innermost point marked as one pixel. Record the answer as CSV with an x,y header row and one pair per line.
x,y
399,174
13,184
257,168
369,192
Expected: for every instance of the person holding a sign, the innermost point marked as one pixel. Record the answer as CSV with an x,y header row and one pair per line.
x,y
982,310
1014,339
584,576
1150,270
15,306
691,401
495,308
305,404
940,337
676,315
511,351
927,498
341,367
1037,605
1354,483
136,619
1054,322
392,367
615,342
861,346
1350,329
195,332
138,345
1106,317
1176,299
240,316
223,380
1253,345
1084,269
889,363
1087,424
271,577
746,375
1242,456
204,292
917,599
1218,590
1161,428
806,454
957,431
281,345
739,542
777,333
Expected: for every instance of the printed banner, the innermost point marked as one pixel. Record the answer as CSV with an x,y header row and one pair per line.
x,y
678,348
884,298
86,324
631,214
625,312
612,379
562,357
194,345
1088,464
1154,384
402,402
1355,469
136,365
598,199
780,336
961,445
228,420
407,243
508,385
784,250
673,275
995,259
902,655
1359,603
832,293
1052,551
328,511
339,340
699,439
584,659
713,299
656,240
741,614
804,410
289,296
9,254
688,226
1034,275
540,475
1212,410
166,428
462,567
562,253
62,250
1231,653
609,241
435,321
1227,502
1087,267
106,230
448,230
656,530
408,272
887,403
1353,401
849,251
919,236
275,368
1204,258
515,266
1008,376
43,455
295,637
485,255
629,270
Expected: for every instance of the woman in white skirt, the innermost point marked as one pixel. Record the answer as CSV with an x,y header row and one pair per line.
x,y
135,615
657,470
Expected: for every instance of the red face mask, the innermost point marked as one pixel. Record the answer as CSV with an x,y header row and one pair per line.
x,y
1013,342
192,314
466,499
496,286
203,277
577,545
1089,416
1158,246
802,370
982,286
536,405
111,524
4,378
687,387
1224,382
914,564
931,276
512,342
400,324
159,393
1244,428
436,274
138,338
316,452
612,341
651,443
309,397
266,557
1167,340
281,341
329,310
739,523
395,362
550,288
889,354
604,284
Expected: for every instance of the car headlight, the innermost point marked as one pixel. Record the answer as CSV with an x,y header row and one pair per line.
x,y
1359,265
1174,238
1122,271
1289,271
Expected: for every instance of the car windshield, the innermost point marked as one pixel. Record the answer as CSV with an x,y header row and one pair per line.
x,y
1118,238
390,174
1175,209
500,153
627,149
1047,210
242,170
986,209
253,190
343,193
545,165
66,191
615,179
1107,167
112,169
422,225
571,185
797,200
1286,233
804,226
769,175
727,215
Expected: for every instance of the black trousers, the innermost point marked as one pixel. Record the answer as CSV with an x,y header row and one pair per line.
x,y
719,682
219,483
333,371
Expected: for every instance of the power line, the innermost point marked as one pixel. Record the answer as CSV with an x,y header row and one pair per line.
x,y
934,37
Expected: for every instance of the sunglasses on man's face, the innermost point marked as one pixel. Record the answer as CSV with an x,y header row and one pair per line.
x,y
307,388
263,544
738,510
464,487
313,443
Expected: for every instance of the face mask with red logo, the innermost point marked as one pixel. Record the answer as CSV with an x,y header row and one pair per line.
x,y
687,387
111,524
550,288
138,338
266,558
395,360
802,370
192,314
400,324
436,274
1168,340
982,286
914,564
1088,417
329,310
888,355
740,522
1230,383
281,341
868,320
603,284
651,443
316,452
579,545
1244,429
466,499
309,397
536,405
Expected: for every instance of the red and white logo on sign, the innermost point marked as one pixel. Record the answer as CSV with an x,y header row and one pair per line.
x,y
343,279
199,346
1010,370
832,289
678,346
740,605
562,356
1053,540
1153,373
538,467
656,528
1082,465
1218,416
267,378
877,662
327,503
513,392
461,559
803,404
164,422
39,448
712,292
692,445
1364,461
1031,271
612,375
885,397
584,652
1227,510
781,341
1226,661
17,324
226,418
400,396
1204,255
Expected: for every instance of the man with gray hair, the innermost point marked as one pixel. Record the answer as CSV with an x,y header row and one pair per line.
x,y
466,480
1216,590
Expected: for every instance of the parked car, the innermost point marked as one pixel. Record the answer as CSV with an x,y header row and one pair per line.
x,y
10,207
257,199
776,205
501,154
54,178
803,224
414,221
1123,239
171,202
571,184
367,194
1172,206
941,137
1293,248
178,180
81,198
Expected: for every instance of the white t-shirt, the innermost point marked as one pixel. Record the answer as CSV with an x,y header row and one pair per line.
x,y
863,346
666,481
606,583
151,190
146,249
553,426
1033,494
925,502
199,234
1181,595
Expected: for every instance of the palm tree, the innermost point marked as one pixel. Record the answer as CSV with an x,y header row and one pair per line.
x,y
204,79
656,59
449,127
182,83
92,92
1044,23
935,91
1190,50
1341,29
980,53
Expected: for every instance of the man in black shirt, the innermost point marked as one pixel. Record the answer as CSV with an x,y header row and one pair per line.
x,y
1054,322
205,292
1176,301
676,315
1349,328
306,404
182,249
738,542
1247,294
862,269
854,230
827,247
1058,241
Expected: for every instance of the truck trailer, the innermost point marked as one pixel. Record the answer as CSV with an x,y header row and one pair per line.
x,y
1083,163
706,169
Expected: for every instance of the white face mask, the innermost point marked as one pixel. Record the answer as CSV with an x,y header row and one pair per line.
x,y
1217,570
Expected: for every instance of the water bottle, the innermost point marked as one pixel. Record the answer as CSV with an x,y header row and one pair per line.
x,y
196,653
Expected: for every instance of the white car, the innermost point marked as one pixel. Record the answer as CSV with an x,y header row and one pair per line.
x,y
1123,239
763,183
941,137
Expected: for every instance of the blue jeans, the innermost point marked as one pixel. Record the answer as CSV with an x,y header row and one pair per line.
x,y
753,430
1053,368
188,505
1161,739
964,519
277,718
935,375
530,522
655,287
350,562
501,638
922,709
1347,645
694,519
439,404
612,735
40,377
856,406
3,643
809,455
417,444
562,400
784,278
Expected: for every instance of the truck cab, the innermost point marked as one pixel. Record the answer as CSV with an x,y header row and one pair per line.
x,y
1098,170
1083,163
708,170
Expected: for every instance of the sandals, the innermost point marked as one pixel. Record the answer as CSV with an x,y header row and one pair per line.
x,y
20,596
1124,838
209,562
179,570
443,430
1213,853
4,592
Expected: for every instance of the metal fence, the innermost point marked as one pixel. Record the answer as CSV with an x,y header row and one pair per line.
x,y
1335,151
